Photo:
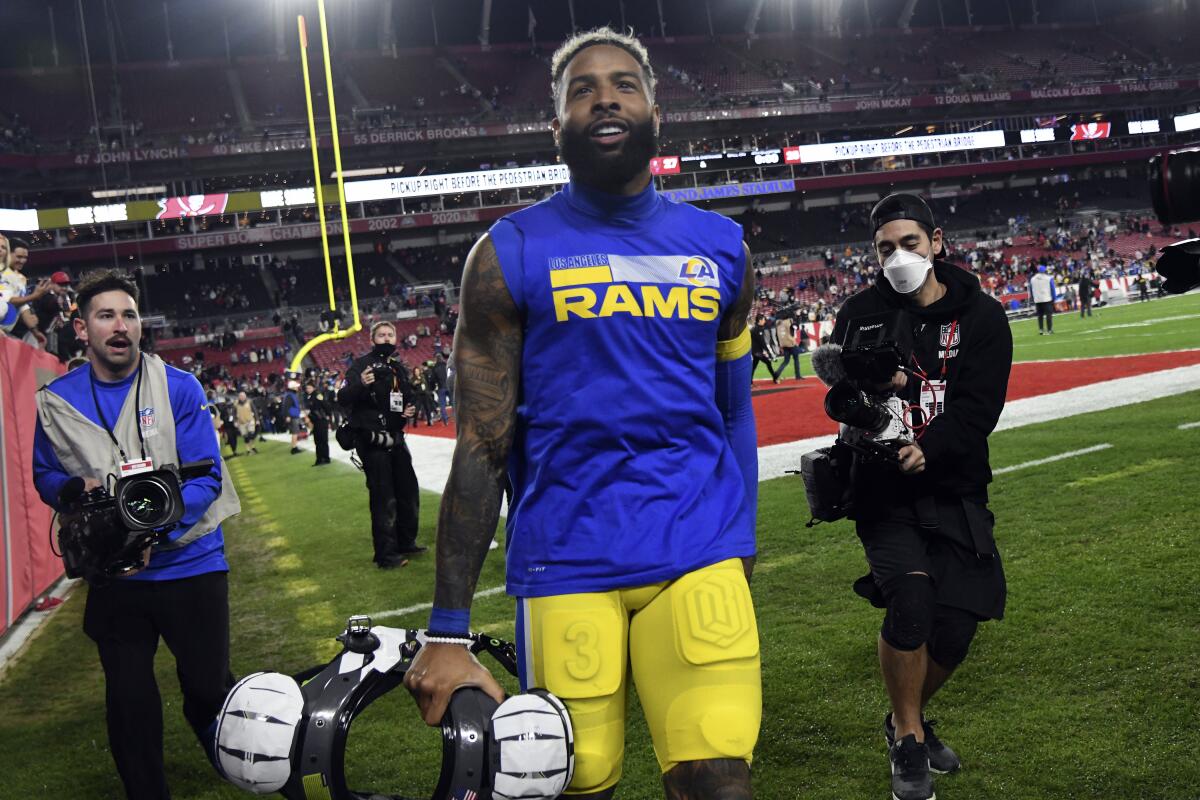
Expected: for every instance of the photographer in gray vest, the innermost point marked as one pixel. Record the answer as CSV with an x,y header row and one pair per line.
x,y
124,419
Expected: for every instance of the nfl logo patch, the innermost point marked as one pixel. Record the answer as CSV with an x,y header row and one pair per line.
x,y
146,417
945,339
466,794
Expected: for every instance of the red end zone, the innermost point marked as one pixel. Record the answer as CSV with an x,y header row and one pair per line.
x,y
795,409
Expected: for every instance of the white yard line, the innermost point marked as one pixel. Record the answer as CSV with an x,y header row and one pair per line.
x,y
1187,426
399,612
1101,358
1050,459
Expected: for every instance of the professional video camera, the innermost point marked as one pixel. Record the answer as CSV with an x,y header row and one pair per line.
x,y
1175,189
877,346
104,534
874,425
786,310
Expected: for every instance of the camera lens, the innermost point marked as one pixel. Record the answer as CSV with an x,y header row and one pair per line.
x,y
851,407
1175,185
147,503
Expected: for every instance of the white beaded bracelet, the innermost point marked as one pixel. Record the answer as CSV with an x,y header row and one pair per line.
x,y
464,641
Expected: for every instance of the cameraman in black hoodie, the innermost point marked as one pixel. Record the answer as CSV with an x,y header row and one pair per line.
x,y
376,398
924,523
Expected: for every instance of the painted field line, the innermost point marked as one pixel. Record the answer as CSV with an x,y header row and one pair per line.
x,y
1096,358
1187,426
1050,459
399,612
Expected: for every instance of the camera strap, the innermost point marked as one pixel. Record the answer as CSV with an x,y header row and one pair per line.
x,y
135,466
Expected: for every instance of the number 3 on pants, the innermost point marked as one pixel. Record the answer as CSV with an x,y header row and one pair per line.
x,y
583,635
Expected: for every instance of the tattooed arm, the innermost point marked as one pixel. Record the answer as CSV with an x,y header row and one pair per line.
x,y
487,353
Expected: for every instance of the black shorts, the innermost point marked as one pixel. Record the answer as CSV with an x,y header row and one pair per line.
x,y
954,548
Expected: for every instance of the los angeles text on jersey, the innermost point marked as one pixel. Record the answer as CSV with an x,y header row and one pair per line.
x,y
596,285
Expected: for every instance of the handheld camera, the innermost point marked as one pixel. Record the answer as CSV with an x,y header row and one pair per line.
x,y
103,534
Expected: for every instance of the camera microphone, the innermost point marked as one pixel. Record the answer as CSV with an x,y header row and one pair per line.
x,y
70,491
827,363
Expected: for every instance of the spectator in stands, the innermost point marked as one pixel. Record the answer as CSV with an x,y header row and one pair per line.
x,y
8,316
53,312
13,290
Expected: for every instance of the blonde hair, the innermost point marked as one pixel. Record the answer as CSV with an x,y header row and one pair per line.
x,y
604,35
383,323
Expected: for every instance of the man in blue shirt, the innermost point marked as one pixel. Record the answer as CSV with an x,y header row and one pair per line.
x,y
125,412
603,357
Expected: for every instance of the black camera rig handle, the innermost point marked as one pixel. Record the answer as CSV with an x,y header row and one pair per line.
x,y
195,469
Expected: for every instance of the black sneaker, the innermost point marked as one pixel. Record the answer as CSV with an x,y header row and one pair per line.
x,y
392,562
910,770
414,550
942,759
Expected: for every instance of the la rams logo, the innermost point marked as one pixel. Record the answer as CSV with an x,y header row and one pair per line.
x,y
698,271
945,339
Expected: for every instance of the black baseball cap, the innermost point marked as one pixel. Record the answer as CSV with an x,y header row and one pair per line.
x,y
902,205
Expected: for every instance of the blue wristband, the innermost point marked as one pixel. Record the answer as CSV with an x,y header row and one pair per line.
x,y
450,620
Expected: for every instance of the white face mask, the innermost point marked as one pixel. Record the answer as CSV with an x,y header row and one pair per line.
x,y
906,270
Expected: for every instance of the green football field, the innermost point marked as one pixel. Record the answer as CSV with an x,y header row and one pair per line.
x,y
1089,688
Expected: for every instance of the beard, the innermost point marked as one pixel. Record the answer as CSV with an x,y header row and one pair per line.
x,y
608,170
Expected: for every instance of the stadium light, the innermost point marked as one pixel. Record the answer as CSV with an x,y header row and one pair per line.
x,y
1187,122
137,191
19,219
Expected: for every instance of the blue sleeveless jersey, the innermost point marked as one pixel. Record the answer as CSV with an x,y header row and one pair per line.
x,y
620,468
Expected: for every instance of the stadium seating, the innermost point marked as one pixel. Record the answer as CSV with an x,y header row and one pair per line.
x,y
183,355
397,82
274,90
437,263
332,355
374,277
189,294
164,98
52,102
692,71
